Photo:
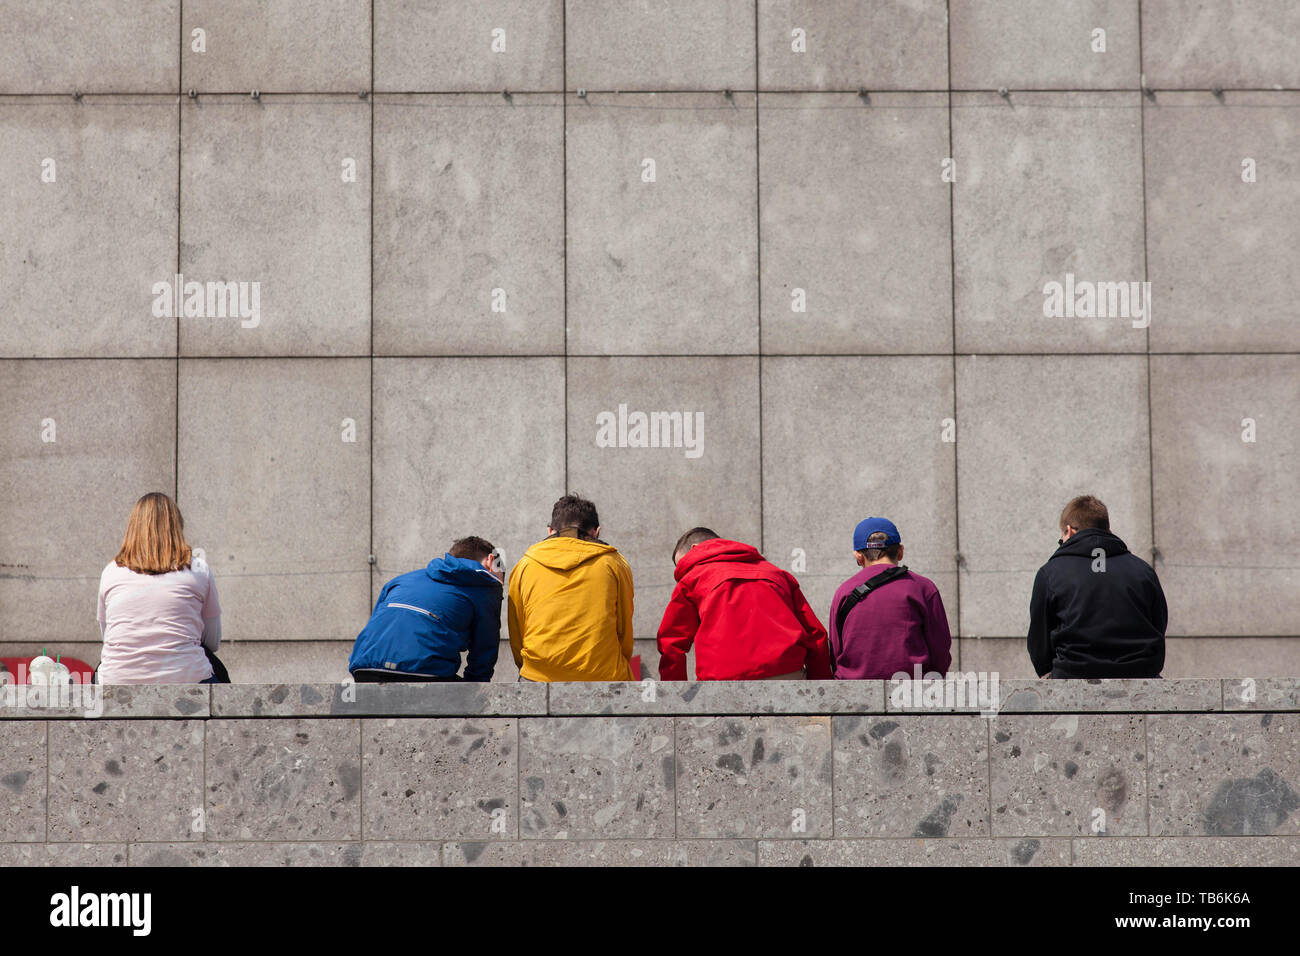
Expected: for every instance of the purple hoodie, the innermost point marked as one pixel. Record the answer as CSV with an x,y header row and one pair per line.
x,y
897,626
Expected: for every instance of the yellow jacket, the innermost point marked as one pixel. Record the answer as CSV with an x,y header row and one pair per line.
x,y
570,610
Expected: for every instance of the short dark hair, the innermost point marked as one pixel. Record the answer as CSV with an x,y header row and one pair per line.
x,y
692,538
892,552
476,549
1085,511
575,513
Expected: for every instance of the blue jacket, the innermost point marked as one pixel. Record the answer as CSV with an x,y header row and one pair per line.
x,y
425,619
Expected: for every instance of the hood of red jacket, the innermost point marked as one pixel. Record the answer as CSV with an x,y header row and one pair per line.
x,y
718,549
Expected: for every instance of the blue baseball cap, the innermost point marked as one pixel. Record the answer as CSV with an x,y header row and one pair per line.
x,y
869,526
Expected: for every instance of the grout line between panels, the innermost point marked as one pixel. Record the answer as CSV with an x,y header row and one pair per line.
x,y
372,568
758,283
1146,276
180,150
564,214
952,286
658,355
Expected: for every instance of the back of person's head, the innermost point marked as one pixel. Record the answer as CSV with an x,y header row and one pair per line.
x,y
690,539
573,513
891,551
1085,511
154,542
473,548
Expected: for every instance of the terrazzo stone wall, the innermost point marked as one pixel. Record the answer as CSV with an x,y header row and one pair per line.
x,y
477,225
1202,772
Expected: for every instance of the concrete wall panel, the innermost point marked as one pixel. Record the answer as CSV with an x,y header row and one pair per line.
x,y
82,441
669,266
1031,206
764,777
1239,782
1220,247
294,778
1033,432
265,200
274,480
276,46
440,427
941,762
1069,776
469,225
648,496
450,779
94,46
23,774
688,45
847,438
106,167
855,215
846,45
1044,44
583,780
1225,445
1224,43
125,780
450,45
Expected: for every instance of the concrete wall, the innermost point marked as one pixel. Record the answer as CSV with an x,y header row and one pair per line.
x,y
1201,772
923,297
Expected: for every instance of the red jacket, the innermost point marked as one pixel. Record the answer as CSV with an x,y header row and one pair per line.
x,y
747,618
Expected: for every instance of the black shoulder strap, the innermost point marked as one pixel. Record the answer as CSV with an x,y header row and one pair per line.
x,y
854,597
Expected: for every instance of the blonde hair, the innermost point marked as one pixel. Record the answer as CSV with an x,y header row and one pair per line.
x,y
155,537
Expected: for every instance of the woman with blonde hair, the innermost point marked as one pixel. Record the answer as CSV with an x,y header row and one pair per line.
x,y
158,613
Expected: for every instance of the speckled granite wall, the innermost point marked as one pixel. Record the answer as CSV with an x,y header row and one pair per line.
x,y
1199,772
462,264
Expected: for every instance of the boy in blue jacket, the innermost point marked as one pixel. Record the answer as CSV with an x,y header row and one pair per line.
x,y
423,620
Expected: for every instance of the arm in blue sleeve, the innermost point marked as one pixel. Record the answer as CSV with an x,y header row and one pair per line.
x,y
383,595
484,643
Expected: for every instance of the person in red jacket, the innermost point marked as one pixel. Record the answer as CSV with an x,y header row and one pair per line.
x,y
746,617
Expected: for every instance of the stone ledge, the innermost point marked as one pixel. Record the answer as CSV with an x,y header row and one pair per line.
x,y
1188,851
62,854
1098,696
601,853
378,700
1048,851
792,789
722,698
1262,693
1045,851
645,698
115,701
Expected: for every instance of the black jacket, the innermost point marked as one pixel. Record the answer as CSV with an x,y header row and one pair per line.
x,y
1086,623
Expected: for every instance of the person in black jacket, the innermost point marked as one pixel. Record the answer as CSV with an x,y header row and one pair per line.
x,y
1097,610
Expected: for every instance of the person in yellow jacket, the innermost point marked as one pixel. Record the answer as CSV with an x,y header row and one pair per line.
x,y
570,602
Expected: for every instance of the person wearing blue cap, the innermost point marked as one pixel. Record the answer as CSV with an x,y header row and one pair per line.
x,y
886,620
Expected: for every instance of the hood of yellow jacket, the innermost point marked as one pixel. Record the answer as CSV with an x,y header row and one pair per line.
x,y
563,553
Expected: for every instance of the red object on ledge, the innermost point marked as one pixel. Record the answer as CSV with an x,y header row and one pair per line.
x,y
74,665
